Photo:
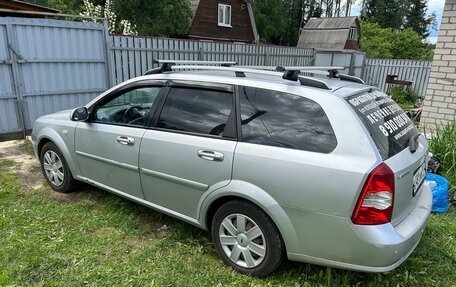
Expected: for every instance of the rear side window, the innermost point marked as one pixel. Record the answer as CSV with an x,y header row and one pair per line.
x,y
196,110
387,123
284,120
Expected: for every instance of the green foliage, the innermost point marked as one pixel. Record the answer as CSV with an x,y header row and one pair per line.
x,y
380,42
443,147
407,44
73,7
166,18
399,15
375,41
417,19
386,13
270,19
278,21
404,97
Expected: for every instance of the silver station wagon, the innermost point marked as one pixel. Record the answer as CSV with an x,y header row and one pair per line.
x,y
276,165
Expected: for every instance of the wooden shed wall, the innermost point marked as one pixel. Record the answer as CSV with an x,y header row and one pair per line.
x,y
205,22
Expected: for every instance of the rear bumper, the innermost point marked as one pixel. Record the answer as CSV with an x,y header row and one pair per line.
x,y
378,248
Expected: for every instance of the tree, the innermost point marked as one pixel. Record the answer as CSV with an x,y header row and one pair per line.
x,y
407,44
270,18
386,13
73,7
279,21
399,15
417,19
379,42
106,11
375,41
165,18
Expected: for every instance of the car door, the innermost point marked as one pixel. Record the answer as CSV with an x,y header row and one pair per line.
x,y
107,146
189,150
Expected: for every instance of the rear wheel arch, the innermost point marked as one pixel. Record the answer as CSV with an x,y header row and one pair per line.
x,y
258,198
258,248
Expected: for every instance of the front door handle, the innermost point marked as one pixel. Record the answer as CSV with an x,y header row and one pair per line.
x,y
210,155
125,140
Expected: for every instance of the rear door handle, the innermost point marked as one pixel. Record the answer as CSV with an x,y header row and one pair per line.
x,y
125,140
210,155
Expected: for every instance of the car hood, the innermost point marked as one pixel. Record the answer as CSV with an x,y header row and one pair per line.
x,y
61,115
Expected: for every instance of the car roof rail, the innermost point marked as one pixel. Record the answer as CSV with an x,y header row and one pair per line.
x,y
166,65
345,77
291,73
312,82
196,62
329,71
241,71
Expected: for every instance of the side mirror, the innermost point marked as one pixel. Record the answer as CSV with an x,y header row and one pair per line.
x,y
79,114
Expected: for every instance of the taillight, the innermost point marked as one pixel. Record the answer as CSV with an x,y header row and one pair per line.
x,y
375,203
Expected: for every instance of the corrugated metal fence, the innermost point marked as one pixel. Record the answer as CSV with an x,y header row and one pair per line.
x,y
133,55
47,66
417,72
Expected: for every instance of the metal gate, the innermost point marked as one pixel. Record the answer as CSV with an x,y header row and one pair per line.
x,y
47,66
353,61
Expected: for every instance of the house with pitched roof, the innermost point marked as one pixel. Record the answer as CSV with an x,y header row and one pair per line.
x,y
223,20
18,8
337,33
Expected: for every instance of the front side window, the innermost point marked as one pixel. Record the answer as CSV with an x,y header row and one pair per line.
x,y
224,15
284,120
196,110
131,107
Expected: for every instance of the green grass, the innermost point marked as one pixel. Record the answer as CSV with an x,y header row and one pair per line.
x,y
93,238
443,148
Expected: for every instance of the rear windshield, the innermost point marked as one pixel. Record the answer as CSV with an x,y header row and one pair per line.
x,y
387,123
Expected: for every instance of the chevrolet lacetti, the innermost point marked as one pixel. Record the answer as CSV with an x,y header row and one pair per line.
x,y
322,169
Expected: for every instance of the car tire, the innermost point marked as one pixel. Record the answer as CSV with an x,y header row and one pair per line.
x,y
55,169
257,248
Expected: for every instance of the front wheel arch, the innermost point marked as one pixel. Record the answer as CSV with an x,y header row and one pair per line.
x,y
49,134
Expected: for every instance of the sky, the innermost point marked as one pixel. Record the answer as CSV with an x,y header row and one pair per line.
x,y
433,6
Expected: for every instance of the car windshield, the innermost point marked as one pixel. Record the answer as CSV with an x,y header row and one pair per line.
x,y
388,125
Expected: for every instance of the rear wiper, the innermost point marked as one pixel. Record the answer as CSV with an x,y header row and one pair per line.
x,y
413,143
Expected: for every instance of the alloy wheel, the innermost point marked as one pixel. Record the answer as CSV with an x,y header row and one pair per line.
x,y
53,168
242,240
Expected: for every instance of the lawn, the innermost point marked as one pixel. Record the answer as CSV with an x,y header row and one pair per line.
x,y
93,238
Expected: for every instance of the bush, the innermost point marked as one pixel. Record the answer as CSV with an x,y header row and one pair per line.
x,y
405,98
443,148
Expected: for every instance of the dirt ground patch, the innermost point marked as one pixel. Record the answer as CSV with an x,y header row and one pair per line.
x,y
26,166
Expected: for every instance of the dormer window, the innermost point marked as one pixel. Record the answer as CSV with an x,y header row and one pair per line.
x,y
353,34
224,15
